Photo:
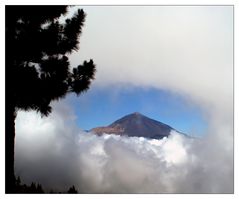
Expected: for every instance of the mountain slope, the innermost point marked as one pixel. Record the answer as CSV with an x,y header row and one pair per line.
x,y
138,125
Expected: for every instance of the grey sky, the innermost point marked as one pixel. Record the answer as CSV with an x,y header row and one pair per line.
x,y
183,49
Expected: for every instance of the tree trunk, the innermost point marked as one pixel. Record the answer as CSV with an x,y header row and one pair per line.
x,y
9,149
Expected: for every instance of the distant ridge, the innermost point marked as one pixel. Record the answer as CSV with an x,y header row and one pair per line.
x,y
137,125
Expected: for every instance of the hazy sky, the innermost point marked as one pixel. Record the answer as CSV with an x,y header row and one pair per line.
x,y
162,61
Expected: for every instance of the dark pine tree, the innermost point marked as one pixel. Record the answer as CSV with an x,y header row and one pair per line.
x,y
37,66
39,189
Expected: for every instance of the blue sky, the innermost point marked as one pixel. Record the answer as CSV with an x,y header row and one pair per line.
x,y
102,106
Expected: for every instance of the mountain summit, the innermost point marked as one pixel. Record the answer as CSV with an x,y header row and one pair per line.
x,y
138,125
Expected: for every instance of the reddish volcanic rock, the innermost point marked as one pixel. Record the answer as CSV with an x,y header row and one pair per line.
x,y
117,130
136,125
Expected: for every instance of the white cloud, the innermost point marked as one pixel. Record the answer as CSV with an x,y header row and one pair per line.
x,y
187,50
63,155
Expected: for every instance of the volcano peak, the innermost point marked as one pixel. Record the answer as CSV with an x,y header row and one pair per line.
x,y
137,125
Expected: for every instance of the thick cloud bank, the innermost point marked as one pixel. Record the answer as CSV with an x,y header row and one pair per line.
x,y
57,154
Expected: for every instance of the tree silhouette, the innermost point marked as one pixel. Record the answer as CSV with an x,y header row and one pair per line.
x,y
72,190
37,67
